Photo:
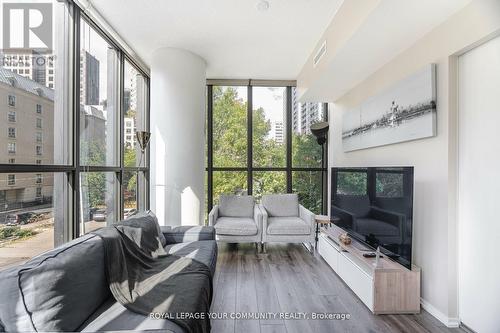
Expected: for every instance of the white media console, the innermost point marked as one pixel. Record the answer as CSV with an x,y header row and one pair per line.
x,y
389,288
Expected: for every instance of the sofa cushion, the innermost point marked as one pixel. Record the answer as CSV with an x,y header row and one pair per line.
x,y
235,226
202,251
287,226
236,205
378,228
54,288
187,233
112,316
281,205
146,217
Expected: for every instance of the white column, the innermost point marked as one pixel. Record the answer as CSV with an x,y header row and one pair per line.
x,y
178,89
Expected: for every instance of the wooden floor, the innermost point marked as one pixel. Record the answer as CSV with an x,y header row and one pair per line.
x,y
289,279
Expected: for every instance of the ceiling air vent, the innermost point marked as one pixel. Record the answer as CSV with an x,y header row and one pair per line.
x,y
319,54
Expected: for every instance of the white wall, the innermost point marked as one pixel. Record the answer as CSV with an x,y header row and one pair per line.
x,y
178,90
434,159
479,162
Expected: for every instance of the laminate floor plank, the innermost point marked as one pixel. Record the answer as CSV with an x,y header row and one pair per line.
x,y
246,295
290,279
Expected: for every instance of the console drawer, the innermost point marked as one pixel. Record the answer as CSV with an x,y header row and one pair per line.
x,y
360,283
328,252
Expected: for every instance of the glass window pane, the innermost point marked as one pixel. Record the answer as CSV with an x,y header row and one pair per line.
x,y
390,184
352,182
269,115
32,101
268,182
98,99
129,193
27,220
229,182
306,152
309,186
97,200
134,101
229,126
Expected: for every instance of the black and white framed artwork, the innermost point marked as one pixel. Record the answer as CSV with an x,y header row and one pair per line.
x,y
405,111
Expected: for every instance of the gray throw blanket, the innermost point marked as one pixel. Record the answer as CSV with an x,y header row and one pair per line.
x,y
147,280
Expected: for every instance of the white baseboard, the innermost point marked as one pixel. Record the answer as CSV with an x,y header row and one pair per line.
x,y
449,322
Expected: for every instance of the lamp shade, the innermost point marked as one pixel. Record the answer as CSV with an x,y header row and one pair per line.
x,y
143,139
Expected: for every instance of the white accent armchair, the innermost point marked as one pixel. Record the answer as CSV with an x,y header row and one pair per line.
x,y
285,220
236,219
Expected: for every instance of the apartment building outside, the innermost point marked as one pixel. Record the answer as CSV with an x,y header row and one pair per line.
x,y
129,128
34,66
89,79
278,131
26,137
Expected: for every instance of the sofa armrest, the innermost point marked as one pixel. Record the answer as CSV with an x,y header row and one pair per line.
x,y
344,215
396,219
308,216
213,215
264,218
188,233
258,216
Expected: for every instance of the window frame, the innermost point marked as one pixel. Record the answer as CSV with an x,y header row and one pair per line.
x,y
250,169
11,132
11,100
70,86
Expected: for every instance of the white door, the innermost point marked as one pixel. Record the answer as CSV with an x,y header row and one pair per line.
x,y
479,188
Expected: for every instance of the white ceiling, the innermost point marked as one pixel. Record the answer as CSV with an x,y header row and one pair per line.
x,y
392,27
235,39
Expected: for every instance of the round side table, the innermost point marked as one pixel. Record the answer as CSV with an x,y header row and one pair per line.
x,y
323,220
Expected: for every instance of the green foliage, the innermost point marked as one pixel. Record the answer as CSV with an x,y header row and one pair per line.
x,y
352,183
93,153
306,152
229,128
390,185
17,232
129,157
230,150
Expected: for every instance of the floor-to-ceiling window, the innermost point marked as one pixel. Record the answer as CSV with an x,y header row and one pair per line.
x,y
69,111
259,142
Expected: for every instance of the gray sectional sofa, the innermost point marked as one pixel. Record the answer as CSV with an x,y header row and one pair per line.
x,y
65,289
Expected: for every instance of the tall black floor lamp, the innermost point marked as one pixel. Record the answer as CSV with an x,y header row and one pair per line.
x,y
320,131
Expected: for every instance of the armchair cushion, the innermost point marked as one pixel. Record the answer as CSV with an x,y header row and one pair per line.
x,y
287,226
281,205
236,226
236,206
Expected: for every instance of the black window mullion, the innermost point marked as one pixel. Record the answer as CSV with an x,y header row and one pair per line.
x,y
249,139
288,134
121,105
75,183
210,166
147,118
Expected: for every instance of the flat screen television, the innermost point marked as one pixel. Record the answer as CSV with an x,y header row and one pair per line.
x,y
375,206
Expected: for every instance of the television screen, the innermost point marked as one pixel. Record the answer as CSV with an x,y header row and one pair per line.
x,y
375,206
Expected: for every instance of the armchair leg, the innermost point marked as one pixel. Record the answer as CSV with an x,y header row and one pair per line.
x,y
264,248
